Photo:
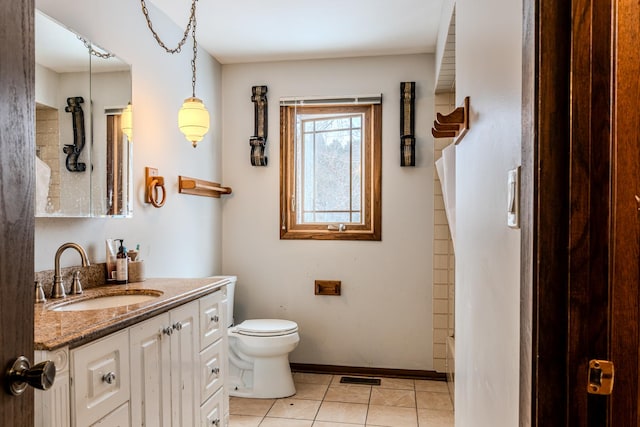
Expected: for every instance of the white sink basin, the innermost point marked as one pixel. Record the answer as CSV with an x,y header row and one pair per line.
x,y
107,301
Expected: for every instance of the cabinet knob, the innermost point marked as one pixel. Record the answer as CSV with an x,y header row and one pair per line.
x,y
215,370
177,326
215,422
21,374
215,318
168,330
109,378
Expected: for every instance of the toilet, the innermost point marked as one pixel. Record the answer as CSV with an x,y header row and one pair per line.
x,y
259,354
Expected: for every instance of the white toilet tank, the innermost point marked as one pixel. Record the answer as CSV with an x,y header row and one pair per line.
x,y
231,290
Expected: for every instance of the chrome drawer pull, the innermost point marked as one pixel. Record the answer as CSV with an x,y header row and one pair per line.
x,y
215,318
215,422
168,330
177,326
215,371
109,378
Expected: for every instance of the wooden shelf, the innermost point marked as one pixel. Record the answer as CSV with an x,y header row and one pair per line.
x,y
199,187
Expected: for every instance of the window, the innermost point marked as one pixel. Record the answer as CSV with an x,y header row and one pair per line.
x,y
330,171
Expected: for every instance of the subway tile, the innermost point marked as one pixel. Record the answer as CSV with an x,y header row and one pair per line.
x,y
440,321
441,306
440,351
440,365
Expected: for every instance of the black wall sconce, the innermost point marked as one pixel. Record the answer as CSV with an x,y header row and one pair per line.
x,y
73,151
259,139
407,124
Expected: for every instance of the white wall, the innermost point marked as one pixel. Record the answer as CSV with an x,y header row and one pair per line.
x,y
488,69
182,239
384,316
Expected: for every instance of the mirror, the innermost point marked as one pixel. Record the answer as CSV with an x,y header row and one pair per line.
x,y
83,156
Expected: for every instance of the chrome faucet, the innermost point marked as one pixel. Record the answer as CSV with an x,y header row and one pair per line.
x,y
58,283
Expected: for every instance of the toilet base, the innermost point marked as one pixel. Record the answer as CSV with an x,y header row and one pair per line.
x,y
269,378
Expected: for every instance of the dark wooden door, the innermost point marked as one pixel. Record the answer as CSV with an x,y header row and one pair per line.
x,y
17,104
581,159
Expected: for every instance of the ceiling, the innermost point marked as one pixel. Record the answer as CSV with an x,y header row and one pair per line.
x,y
274,30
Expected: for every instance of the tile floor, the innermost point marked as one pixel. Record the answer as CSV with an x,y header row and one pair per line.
x,y
322,401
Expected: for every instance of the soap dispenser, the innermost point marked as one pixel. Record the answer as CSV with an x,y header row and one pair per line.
x,y
121,264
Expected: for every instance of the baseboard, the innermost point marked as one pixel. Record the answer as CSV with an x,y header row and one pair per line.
x,y
371,372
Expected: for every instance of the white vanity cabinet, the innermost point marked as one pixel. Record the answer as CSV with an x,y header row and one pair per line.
x,y
165,367
100,378
214,362
166,371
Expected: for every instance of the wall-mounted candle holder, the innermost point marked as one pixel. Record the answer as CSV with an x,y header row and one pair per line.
x,y
407,124
73,150
259,139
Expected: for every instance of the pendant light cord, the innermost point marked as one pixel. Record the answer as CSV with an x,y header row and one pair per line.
x,y
190,26
195,53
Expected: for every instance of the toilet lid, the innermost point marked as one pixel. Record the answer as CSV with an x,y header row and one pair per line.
x,y
266,327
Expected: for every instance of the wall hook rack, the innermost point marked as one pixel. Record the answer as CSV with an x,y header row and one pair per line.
x,y
199,187
452,125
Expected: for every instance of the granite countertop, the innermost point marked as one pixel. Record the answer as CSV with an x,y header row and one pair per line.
x,y
55,329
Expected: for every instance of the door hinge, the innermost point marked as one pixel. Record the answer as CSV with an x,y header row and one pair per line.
x,y
601,373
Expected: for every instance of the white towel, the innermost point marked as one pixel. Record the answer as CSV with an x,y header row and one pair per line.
x,y
446,167
43,175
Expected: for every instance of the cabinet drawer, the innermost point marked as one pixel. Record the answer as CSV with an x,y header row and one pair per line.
x,y
212,370
211,414
100,377
118,418
212,317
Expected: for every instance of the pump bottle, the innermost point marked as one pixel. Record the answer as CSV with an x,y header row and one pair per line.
x,y
121,264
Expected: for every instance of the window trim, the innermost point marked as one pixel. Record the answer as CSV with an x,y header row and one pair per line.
x,y
372,183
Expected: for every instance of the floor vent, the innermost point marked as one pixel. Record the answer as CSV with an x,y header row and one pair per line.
x,y
363,381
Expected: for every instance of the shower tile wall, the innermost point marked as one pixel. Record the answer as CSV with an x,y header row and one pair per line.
x,y
444,260
48,149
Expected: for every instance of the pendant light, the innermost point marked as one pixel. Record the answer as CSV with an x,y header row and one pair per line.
x,y
193,117
126,121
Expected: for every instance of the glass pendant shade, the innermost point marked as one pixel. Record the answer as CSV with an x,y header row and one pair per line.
x,y
193,120
126,121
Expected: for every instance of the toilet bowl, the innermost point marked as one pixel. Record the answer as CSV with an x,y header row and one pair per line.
x,y
259,355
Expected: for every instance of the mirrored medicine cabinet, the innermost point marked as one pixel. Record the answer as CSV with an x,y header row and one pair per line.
x,y
83,155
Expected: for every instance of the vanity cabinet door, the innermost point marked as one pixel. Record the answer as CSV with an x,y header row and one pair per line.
x,y
53,407
100,373
151,372
185,359
212,370
212,318
118,418
211,413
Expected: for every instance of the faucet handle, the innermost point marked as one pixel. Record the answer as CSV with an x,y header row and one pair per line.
x,y
76,287
39,292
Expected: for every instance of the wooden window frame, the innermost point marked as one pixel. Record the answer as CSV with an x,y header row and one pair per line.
x,y
371,229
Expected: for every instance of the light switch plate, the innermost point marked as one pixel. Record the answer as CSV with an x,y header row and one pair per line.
x,y
513,196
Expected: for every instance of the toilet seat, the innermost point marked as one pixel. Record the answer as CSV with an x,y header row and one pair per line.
x,y
266,327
